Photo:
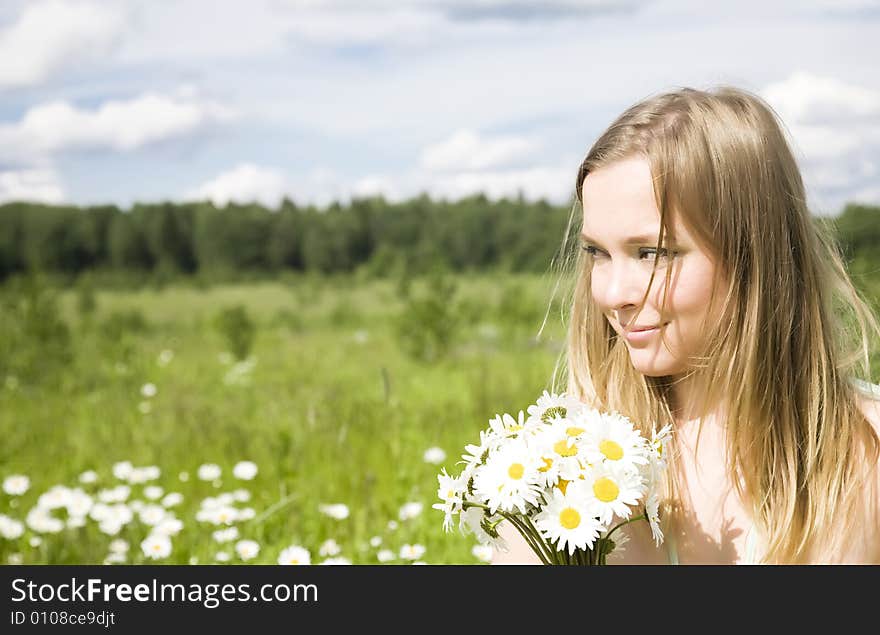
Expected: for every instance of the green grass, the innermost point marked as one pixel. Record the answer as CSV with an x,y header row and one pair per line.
x,y
333,412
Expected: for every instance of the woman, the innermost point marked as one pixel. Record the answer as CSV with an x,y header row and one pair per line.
x,y
707,296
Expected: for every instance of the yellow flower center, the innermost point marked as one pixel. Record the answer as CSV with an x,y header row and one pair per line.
x,y
605,489
562,484
611,450
294,561
516,470
548,463
569,518
574,431
562,448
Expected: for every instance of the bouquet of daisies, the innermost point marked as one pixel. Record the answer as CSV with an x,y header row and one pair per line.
x,y
566,477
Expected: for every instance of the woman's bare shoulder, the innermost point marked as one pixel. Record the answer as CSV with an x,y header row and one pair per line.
x,y
870,407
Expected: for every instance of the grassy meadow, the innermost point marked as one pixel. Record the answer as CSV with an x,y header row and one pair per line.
x,y
333,388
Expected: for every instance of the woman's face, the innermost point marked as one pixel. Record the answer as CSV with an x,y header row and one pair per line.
x,y
620,228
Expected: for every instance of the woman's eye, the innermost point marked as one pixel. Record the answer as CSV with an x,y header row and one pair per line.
x,y
653,252
590,250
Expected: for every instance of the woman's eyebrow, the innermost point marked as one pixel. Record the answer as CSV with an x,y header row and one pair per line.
x,y
632,240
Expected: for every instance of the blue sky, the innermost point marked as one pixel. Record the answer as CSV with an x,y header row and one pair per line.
x,y
134,100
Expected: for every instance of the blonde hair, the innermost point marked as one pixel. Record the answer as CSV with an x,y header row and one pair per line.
x,y
791,334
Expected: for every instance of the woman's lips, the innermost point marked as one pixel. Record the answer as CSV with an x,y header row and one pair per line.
x,y
643,335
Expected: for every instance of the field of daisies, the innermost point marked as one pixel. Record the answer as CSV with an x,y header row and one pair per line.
x,y
302,421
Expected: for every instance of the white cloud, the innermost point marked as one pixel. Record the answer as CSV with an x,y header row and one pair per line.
x,y
869,195
373,185
245,183
116,125
835,131
365,26
465,150
555,184
52,35
40,185
809,99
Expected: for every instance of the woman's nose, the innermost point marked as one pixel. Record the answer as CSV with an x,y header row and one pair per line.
x,y
624,285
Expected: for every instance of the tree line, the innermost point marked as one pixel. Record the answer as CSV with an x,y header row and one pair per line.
x,y
473,233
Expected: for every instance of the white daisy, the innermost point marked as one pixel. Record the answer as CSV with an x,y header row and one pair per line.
x,y
482,553
339,511
152,514
222,556
475,521
410,510
172,499
568,519
245,470
156,546
10,528
560,450
610,437
153,492
510,479
122,470
247,549
659,443
209,472
505,426
611,488
165,357
329,548
384,555
551,406
336,561
450,491
434,455
16,484
652,510
477,454
375,541
115,558
225,535
148,390
412,552
89,476
41,521
295,555
119,546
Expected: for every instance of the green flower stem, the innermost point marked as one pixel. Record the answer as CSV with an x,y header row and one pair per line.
x,y
555,555
534,540
536,543
626,522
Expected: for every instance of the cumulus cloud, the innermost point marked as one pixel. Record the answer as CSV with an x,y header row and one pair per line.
x,y
40,185
555,184
811,99
116,125
466,150
245,183
50,36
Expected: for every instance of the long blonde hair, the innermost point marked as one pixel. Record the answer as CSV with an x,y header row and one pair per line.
x,y
793,331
